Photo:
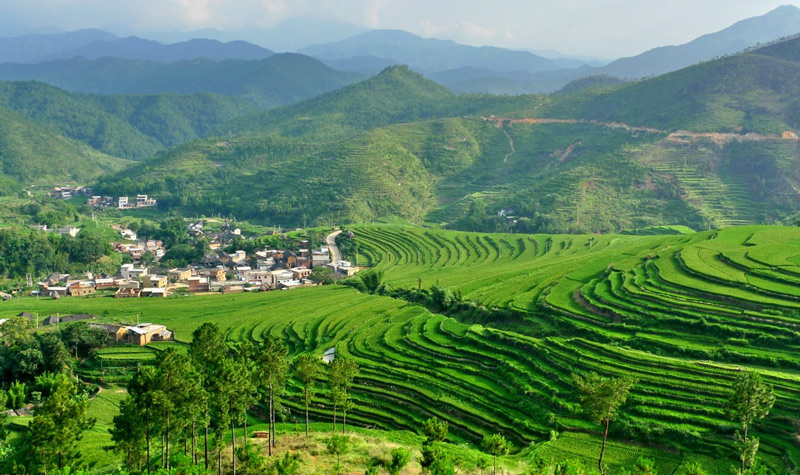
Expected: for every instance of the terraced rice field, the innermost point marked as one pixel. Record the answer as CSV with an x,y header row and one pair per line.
x,y
682,314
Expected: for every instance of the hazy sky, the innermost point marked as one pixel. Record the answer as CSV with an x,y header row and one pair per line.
x,y
602,28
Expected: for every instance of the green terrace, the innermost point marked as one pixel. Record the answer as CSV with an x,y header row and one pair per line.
x,y
682,314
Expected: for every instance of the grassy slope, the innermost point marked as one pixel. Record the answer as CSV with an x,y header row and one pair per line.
x,y
683,314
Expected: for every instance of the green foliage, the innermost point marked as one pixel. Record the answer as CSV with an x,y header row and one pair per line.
x,y
338,445
644,466
601,397
42,253
250,461
435,430
57,427
494,445
750,399
289,464
307,368
321,275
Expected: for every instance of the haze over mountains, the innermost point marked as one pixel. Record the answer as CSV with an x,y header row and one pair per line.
x,y
139,63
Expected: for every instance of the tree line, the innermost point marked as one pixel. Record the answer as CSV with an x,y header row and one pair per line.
x,y
207,394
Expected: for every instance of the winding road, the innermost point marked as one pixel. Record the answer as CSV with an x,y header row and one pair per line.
x,y
336,256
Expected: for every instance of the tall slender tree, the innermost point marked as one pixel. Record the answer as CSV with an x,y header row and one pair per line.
x,y
342,373
181,391
208,351
751,399
600,398
307,369
128,434
57,426
273,371
494,445
144,391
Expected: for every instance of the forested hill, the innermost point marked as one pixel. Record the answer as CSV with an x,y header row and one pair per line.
x,y
396,95
277,80
132,126
31,154
756,91
702,147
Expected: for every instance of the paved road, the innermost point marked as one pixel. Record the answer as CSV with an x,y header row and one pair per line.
x,y
336,256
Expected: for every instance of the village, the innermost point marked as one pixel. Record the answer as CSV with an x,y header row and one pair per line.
x,y
219,271
98,201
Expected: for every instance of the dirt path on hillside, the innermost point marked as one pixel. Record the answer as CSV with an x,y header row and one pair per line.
x,y
511,145
680,136
500,122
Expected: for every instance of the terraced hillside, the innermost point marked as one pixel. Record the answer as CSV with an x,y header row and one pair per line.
x,y
683,314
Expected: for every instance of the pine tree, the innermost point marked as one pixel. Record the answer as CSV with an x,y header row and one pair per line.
x,y
342,373
273,371
307,368
750,399
58,425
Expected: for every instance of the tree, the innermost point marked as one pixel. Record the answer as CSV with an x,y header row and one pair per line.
x,y
342,373
273,370
180,393
143,390
57,426
208,351
337,445
307,368
128,434
288,465
321,275
434,459
494,445
435,430
3,417
644,466
400,458
600,398
236,394
750,399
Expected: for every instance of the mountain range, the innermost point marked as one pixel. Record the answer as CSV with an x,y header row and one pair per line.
x,y
693,147
709,145
100,62
276,80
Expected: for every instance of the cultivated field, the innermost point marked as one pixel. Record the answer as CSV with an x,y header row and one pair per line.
x,y
682,314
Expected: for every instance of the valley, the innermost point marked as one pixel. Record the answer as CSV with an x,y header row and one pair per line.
x,y
463,258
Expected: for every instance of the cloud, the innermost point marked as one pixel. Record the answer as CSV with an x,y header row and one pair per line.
x,y
466,32
373,11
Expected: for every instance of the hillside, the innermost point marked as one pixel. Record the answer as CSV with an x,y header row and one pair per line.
x,y
501,323
746,92
702,147
134,127
396,95
277,80
780,22
33,155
